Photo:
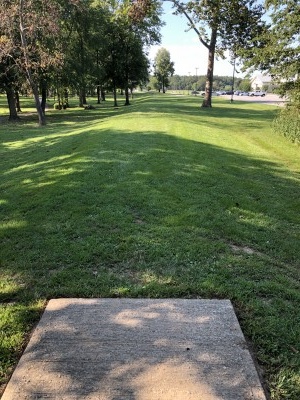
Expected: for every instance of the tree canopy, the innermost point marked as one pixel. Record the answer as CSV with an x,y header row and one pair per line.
x,y
163,68
75,44
277,49
221,25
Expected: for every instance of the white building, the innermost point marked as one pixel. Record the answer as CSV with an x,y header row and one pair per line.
x,y
260,80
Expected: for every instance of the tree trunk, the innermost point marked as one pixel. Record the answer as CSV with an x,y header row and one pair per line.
x,y
98,94
30,78
66,99
115,95
17,98
82,97
41,115
102,95
44,94
11,101
210,69
127,102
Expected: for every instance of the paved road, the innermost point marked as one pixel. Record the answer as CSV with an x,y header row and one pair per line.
x,y
272,99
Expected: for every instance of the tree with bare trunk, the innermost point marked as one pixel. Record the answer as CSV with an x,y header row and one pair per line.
x,y
7,82
221,25
29,38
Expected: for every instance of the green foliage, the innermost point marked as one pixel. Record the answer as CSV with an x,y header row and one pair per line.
x,y
221,25
236,21
277,49
77,44
287,123
154,83
177,82
244,85
163,67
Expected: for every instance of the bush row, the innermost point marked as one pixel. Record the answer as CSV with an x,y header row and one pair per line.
x,y
287,123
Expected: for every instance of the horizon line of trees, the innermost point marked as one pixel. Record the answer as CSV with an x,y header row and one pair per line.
x,y
193,82
198,82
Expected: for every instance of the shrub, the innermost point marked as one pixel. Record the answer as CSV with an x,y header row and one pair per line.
x,y
287,123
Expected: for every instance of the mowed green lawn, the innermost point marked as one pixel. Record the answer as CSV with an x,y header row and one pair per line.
x,y
159,199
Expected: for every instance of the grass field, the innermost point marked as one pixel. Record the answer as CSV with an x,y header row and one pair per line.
x,y
159,199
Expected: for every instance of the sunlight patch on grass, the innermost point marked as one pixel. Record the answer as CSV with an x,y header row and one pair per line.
x,y
38,165
245,216
149,277
49,138
13,224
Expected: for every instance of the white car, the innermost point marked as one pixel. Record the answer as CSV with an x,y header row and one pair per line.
x,y
257,93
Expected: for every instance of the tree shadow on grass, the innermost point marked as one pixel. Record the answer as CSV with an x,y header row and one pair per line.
x,y
190,106
147,194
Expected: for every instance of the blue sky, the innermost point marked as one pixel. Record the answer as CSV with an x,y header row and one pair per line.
x,y
185,49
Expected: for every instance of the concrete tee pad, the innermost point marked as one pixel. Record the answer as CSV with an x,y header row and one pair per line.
x,y
136,349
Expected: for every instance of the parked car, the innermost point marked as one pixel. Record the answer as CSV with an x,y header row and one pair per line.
x,y
220,92
244,94
257,93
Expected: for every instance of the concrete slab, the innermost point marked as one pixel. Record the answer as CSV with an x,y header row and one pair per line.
x,y
136,349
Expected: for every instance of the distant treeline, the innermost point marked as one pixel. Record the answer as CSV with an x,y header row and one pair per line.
x,y
193,82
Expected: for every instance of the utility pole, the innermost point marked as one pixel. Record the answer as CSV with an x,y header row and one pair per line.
x,y
232,87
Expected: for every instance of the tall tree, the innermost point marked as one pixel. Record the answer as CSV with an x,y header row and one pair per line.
x,y
7,82
81,33
221,25
141,22
133,25
32,32
135,66
163,67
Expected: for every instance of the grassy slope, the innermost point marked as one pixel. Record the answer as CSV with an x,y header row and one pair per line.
x,y
160,199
